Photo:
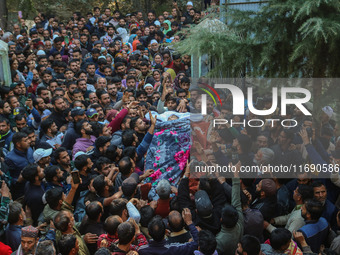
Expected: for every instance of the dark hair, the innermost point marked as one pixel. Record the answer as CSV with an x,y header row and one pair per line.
x,y
50,172
17,137
14,212
66,244
314,208
128,136
125,166
27,130
93,210
317,184
126,232
81,161
30,172
111,224
99,184
130,152
2,119
306,192
79,126
101,161
58,151
156,228
112,153
251,245
229,216
101,141
103,251
207,242
146,213
61,221
53,196
279,237
117,206
45,247
46,124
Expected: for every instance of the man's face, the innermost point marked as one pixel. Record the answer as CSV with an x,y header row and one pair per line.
x,y
171,105
105,99
210,106
104,148
71,88
45,95
14,102
53,86
64,158
7,109
141,126
112,90
101,84
91,69
151,16
54,129
262,141
304,212
32,138
320,193
93,98
24,144
69,75
21,123
142,98
107,72
77,96
100,113
83,39
60,105
74,66
121,70
4,128
28,245
110,31
144,70
82,86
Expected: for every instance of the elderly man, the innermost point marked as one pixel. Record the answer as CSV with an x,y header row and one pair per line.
x,y
29,241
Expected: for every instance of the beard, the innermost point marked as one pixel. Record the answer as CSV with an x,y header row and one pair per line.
x,y
61,179
304,216
89,132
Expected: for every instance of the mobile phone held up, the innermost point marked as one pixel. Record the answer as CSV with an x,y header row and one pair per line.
x,y
20,14
75,177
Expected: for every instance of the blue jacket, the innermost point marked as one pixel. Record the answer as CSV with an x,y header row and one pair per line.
x,y
315,233
16,161
8,140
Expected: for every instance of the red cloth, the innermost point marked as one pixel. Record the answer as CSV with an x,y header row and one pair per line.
x,y
163,207
115,123
5,249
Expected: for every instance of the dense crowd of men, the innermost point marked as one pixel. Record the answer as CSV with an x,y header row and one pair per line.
x,y
77,122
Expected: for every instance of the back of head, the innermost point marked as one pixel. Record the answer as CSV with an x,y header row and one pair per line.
x,y
117,206
66,244
156,228
15,210
279,238
103,251
306,192
111,224
206,242
146,213
251,245
314,208
163,189
229,216
45,248
125,232
61,221
93,210
53,196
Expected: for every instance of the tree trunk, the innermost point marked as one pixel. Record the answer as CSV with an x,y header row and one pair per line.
x,y
3,15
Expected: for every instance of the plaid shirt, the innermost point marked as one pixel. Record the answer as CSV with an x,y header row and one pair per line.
x,y
141,240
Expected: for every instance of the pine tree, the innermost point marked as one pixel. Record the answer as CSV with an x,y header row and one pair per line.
x,y
284,39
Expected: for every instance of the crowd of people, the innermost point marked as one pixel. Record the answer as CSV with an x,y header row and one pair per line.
x,y
76,125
